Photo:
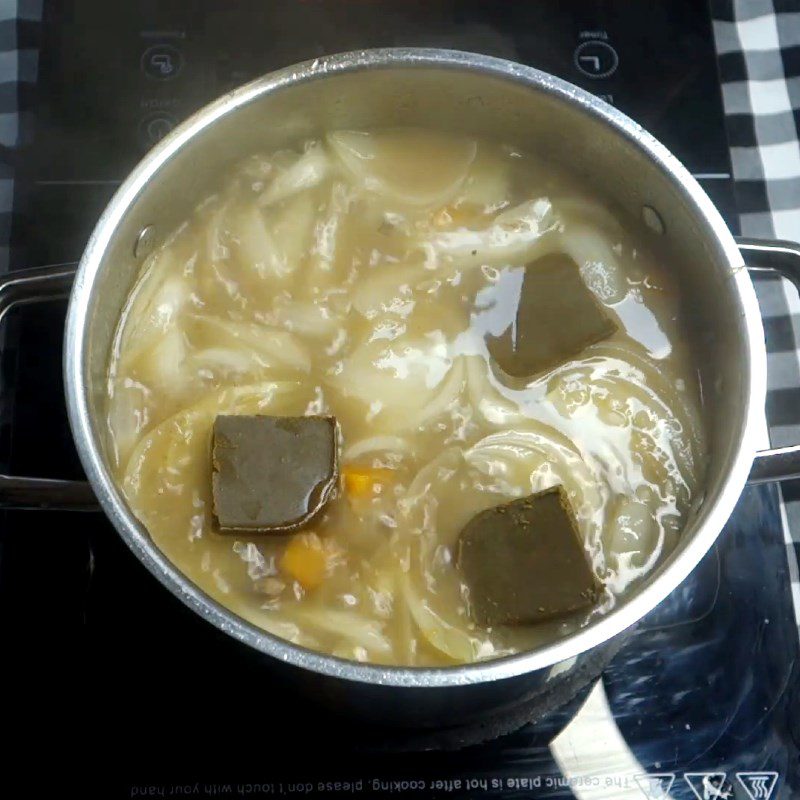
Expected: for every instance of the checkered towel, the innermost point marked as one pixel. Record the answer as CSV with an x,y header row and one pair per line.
x,y
758,43
19,22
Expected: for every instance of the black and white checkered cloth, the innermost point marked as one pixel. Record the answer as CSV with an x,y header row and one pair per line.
x,y
19,57
758,42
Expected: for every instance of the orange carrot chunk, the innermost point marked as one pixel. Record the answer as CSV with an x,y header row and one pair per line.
x,y
305,560
365,481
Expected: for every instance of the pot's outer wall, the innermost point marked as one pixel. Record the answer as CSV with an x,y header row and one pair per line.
x,y
469,94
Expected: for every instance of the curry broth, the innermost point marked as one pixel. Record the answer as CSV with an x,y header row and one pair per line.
x,y
360,276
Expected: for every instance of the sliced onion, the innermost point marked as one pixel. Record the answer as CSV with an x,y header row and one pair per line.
x,y
453,642
389,289
273,245
308,171
599,267
355,629
288,631
406,382
315,319
588,212
270,345
518,235
255,245
376,444
440,163
633,542
642,417
446,463
217,234
162,367
486,399
159,297
293,230
518,456
445,397
487,184
128,416
224,362
327,229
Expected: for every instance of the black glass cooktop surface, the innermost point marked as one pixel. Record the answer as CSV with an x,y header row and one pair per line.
x,y
134,696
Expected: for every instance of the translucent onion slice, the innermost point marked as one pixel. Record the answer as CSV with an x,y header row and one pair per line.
x,y
272,346
536,459
389,289
486,399
252,254
442,497
592,251
309,170
225,364
256,245
288,631
161,367
293,230
405,382
327,234
380,162
633,541
516,236
129,415
448,639
443,466
316,319
273,245
353,629
588,211
158,298
487,184
641,415
377,444
652,381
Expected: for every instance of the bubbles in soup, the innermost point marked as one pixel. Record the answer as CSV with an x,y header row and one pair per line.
x,y
362,276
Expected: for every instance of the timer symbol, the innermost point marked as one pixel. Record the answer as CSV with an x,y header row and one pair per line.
x,y
596,59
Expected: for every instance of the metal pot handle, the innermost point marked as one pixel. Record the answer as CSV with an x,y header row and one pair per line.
x,y
780,463
36,286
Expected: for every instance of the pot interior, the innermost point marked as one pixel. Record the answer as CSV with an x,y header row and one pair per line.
x,y
497,101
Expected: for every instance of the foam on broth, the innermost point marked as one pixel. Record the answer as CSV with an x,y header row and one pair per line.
x,y
358,276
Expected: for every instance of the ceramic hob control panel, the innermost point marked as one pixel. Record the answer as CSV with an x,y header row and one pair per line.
x,y
116,78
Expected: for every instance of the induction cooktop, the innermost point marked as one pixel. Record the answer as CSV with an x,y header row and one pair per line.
x,y
124,691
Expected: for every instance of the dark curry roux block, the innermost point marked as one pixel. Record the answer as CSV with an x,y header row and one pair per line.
x,y
524,562
272,474
558,316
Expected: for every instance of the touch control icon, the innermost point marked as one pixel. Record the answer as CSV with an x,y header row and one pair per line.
x,y
596,59
155,127
162,62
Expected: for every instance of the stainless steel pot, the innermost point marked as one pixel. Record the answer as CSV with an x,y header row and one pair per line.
x,y
484,96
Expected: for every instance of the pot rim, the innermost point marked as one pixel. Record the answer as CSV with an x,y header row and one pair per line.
x,y
136,537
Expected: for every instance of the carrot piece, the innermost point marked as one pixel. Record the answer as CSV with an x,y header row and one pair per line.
x,y
365,481
305,560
